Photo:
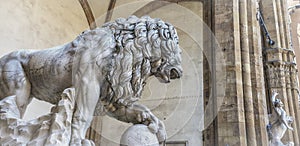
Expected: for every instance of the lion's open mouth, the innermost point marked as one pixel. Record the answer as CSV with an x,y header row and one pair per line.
x,y
162,77
174,73
165,76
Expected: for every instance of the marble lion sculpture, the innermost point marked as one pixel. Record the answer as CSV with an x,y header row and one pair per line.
x,y
109,64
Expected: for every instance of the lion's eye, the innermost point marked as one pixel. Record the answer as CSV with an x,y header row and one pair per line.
x,y
163,61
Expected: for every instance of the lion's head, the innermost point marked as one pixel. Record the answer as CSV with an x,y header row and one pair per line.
x,y
144,47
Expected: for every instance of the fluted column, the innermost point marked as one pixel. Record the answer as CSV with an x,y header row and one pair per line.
x,y
257,75
231,129
246,74
244,107
288,66
281,22
293,94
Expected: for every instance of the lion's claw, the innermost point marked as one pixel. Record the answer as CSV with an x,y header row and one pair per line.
x,y
159,130
161,133
153,127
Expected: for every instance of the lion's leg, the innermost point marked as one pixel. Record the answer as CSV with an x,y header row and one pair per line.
x,y
87,95
18,84
23,95
139,114
82,119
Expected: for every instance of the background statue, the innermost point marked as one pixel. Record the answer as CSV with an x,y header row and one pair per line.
x,y
280,122
109,65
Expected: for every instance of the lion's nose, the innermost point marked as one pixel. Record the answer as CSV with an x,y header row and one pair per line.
x,y
175,73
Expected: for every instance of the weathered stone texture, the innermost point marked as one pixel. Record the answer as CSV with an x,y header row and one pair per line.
x,y
279,62
227,31
253,68
50,129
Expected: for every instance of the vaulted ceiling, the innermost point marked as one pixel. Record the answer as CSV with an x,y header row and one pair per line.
x,y
149,7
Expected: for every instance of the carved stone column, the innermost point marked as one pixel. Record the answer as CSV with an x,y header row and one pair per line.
x,y
231,129
294,93
280,71
257,75
246,74
275,73
280,68
242,118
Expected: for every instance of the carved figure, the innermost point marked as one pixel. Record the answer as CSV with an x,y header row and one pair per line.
x,y
109,65
280,123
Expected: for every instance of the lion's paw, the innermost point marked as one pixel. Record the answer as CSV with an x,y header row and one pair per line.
x,y
159,130
161,133
153,127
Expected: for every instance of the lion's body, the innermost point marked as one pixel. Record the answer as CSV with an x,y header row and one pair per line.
x,y
49,71
111,63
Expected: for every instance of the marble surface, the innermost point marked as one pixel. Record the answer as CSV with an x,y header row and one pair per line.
x,y
138,135
51,129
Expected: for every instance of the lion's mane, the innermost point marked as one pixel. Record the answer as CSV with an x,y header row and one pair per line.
x,y
139,43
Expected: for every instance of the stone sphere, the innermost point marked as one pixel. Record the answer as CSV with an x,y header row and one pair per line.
x,y
139,135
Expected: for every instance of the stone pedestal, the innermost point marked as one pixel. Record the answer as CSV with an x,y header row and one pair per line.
x,y
138,135
51,129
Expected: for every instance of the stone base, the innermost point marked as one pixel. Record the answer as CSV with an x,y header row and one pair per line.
x,y
51,129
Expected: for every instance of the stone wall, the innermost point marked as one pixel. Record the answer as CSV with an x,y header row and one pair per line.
x,y
253,69
243,116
